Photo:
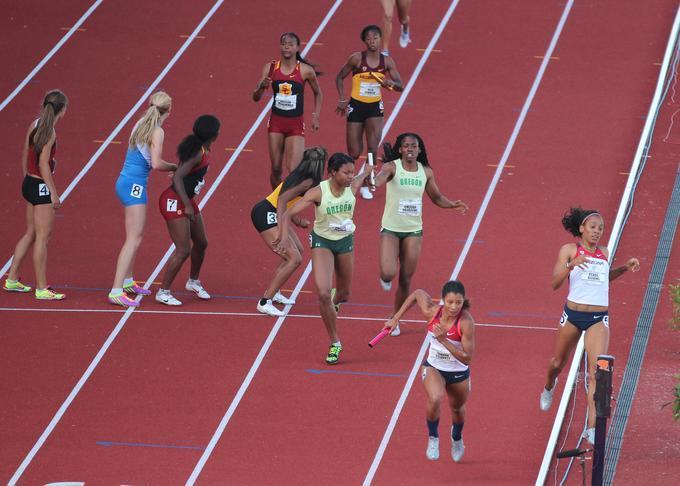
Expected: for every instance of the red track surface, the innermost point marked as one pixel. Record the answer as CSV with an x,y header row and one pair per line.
x,y
168,379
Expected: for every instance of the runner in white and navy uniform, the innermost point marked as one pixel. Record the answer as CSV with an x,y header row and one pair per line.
x,y
446,368
587,268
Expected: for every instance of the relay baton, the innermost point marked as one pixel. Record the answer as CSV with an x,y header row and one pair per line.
x,y
272,65
372,177
379,337
375,76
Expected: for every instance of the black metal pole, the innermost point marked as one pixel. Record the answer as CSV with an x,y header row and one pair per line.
x,y
603,395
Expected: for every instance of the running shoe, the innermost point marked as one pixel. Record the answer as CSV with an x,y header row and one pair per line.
x,y
15,286
48,294
165,297
134,289
335,306
547,396
405,37
269,309
396,331
386,286
279,298
196,287
457,450
432,451
122,300
385,52
333,353
589,435
366,193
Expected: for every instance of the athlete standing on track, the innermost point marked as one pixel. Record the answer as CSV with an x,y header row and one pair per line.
x,y
408,175
266,214
181,213
145,152
40,192
364,110
403,7
286,125
451,331
586,266
332,239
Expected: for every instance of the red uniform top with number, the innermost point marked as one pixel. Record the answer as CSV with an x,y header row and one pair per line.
x,y
438,356
289,91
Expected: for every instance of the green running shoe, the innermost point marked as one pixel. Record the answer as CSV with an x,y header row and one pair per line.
x,y
15,286
333,353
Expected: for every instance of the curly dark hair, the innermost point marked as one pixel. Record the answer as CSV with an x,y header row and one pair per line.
x,y
391,152
574,218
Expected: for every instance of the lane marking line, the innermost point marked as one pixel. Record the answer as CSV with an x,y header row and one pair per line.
x,y
473,231
50,54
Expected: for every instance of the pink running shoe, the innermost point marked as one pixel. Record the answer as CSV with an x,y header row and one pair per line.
x,y
135,289
122,300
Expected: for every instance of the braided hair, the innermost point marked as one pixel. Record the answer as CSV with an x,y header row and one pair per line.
x,y
391,152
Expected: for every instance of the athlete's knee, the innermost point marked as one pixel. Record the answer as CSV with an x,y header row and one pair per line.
x,y
557,364
325,297
294,258
182,252
388,16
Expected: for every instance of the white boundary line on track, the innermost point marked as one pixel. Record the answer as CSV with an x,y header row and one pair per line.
x,y
612,245
279,322
121,323
256,314
100,354
130,113
461,259
49,55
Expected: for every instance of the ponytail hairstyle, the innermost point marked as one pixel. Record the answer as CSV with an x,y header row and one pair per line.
x,y
206,128
337,160
455,287
575,217
370,28
392,152
54,102
159,105
298,57
311,167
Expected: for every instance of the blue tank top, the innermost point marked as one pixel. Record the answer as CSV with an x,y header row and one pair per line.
x,y
136,164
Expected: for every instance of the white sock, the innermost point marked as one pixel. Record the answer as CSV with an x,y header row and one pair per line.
x,y
128,281
116,291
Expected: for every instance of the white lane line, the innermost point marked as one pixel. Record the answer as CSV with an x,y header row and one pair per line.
x,y
62,409
253,314
130,113
121,323
49,55
473,231
279,322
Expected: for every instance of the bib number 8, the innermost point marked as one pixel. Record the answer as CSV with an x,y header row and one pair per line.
x,y
137,191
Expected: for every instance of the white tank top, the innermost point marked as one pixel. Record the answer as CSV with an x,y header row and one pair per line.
x,y
440,357
590,286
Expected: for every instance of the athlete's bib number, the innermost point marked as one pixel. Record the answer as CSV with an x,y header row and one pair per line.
x,y
369,90
271,218
171,205
285,102
199,186
137,190
346,226
43,190
595,273
410,207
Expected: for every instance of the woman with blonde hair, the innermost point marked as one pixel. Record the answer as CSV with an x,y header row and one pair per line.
x,y
41,194
145,152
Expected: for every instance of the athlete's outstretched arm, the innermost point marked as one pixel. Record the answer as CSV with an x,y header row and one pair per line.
x,y
424,301
265,82
438,198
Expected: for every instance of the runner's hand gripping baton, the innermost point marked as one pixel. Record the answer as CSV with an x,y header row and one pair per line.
x,y
379,337
371,180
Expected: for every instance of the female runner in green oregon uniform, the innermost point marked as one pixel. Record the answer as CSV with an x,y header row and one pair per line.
x,y
408,175
332,239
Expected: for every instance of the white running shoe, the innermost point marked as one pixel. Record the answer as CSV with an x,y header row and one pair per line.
x,y
196,287
547,396
457,450
396,331
405,37
279,298
165,297
589,435
385,52
268,308
386,286
432,451
366,193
